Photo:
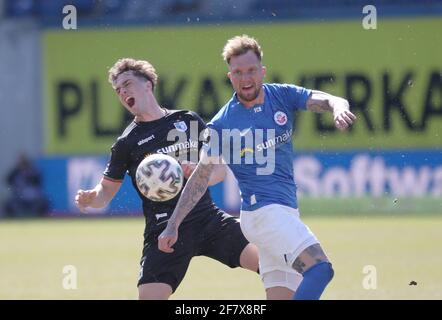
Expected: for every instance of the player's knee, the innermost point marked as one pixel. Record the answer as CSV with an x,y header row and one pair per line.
x,y
249,258
324,270
331,270
278,278
154,291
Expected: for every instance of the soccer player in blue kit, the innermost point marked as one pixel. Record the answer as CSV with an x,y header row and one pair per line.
x,y
269,210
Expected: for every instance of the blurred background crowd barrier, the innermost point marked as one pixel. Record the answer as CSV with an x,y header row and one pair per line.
x,y
58,108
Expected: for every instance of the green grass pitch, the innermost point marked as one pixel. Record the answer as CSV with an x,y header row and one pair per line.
x,y
106,253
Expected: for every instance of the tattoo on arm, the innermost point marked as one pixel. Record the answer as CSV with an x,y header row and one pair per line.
x,y
318,105
323,102
193,191
298,265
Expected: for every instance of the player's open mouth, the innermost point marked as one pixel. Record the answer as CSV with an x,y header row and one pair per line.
x,y
246,88
130,101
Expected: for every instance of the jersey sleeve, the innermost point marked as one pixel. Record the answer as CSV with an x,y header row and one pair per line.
x,y
213,145
296,96
118,164
203,133
201,124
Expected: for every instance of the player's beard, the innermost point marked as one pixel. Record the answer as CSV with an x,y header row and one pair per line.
x,y
251,96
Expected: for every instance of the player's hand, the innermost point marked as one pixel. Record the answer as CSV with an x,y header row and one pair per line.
x,y
84,198
188,167
343,119
167,239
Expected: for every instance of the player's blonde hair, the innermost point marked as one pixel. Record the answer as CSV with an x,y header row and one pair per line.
x,y
239,45
140,68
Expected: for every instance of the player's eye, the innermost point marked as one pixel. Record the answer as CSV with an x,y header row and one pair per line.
x,y
237,74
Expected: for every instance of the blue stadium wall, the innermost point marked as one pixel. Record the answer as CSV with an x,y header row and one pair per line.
x,y
321,174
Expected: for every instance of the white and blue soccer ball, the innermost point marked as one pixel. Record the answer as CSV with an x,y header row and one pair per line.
x,y
159,177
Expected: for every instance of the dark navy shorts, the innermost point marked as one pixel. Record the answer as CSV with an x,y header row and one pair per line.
x,y
215,234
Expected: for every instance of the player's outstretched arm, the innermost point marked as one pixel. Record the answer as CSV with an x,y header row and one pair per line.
x,y
218,174
98,197
194,189
323,102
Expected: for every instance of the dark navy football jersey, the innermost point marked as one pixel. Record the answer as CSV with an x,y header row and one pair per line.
x,y
179,134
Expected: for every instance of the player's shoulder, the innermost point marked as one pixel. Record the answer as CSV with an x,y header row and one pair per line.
x,y
285,93
282,88
122,140
183,114
226,112
127,131
278,87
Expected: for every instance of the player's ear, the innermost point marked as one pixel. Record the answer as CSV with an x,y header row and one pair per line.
x,y
264,71
149,85
229,75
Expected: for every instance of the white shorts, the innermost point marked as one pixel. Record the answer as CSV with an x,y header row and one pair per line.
x,y
279,233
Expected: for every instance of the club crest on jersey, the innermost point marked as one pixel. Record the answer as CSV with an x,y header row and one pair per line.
x,y
206,135
280,118
180,126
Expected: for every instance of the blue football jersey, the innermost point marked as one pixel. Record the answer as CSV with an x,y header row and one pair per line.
x,y
256,143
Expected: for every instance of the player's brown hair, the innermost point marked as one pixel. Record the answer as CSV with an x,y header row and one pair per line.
x,y
140,68
239,45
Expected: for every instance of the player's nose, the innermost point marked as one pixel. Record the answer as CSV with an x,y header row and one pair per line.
x,y
123,94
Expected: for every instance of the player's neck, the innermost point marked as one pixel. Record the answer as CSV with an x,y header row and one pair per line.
x,y
250,104
152,113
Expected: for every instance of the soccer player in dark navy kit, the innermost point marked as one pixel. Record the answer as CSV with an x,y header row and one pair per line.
x,y
207,230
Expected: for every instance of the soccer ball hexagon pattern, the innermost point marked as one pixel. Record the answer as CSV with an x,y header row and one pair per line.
x,y
159,177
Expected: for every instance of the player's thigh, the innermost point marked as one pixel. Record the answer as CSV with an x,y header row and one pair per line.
x,y
158,267
277,228
154,291
308,258
223,240
279,279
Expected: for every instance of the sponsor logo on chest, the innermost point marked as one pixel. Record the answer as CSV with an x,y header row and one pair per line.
x,y
146,140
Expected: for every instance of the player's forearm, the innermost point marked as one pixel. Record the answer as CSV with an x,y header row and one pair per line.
x,y
218,174
103,197
323,102
195,188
